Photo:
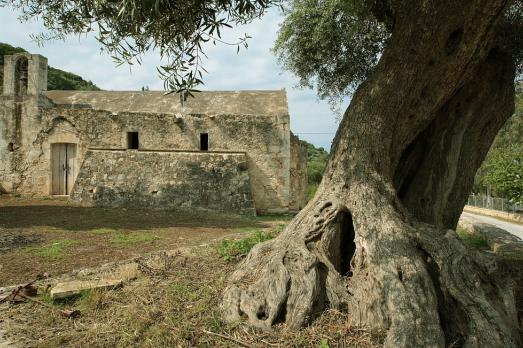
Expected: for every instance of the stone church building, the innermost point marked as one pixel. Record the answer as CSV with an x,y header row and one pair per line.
x,y
226,151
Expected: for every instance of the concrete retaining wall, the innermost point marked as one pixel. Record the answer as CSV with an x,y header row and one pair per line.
x,y
518,218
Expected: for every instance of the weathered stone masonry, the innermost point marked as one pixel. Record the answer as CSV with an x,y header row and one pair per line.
x,y
253,162
165,179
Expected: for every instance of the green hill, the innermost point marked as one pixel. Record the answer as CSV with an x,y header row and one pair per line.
x,y
56,78
316,162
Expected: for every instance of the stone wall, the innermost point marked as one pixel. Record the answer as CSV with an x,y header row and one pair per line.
x,y
165,179
298,174
265,140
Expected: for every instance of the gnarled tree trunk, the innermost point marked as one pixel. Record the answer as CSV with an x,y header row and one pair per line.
x,y
377,240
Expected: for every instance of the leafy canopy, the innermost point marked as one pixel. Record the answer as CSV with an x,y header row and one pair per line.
x,y
335,41
128,28
504,172
330,44
334,45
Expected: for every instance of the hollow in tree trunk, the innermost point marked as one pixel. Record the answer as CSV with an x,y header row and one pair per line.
x,y
378,238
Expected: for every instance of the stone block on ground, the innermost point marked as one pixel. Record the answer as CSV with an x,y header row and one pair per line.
x,y
496,238
511,251
75,287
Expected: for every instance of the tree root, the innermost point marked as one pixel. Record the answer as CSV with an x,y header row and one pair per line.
x,y
417,283
291,279
475,303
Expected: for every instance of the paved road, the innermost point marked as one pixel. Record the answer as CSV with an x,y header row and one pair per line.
x,y
514,228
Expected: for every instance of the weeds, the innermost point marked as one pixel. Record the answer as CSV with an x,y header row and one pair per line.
x,y
93,300
54,250
181,309
232,250
472,240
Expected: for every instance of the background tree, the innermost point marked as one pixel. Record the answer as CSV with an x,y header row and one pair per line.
x,y
501,174
317,159
377,240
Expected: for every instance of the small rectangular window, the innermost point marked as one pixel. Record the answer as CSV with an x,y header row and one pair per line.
x,y
132,140
204,141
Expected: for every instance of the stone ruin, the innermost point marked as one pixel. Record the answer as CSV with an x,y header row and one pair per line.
x,y
229,151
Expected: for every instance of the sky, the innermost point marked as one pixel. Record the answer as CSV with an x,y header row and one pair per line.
x,y
255,68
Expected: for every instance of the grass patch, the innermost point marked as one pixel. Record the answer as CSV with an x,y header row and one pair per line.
x,y
134,238
232,249
53,250
472,240
311,190
92,300
46,297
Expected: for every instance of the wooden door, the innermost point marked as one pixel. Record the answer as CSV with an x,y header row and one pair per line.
x,y
63,169
70,169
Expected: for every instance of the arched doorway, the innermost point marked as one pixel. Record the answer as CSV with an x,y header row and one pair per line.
x,y
63,157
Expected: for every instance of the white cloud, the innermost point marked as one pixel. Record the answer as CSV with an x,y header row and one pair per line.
x,y
254,68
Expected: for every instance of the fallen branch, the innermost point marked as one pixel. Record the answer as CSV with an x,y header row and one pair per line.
x,y
64,312
241,343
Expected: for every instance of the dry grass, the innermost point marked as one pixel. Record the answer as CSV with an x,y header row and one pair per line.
x,y
174,302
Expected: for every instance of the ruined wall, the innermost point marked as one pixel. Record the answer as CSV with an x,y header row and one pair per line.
x,y
298,174
36,73
20,118
165,179
265,139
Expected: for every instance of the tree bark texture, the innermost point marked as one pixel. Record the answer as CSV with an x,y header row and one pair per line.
x,y
377,240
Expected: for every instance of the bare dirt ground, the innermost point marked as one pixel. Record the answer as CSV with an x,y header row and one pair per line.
x,y
52,235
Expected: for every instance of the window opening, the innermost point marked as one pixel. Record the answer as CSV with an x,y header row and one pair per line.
x,y
132,140
204,141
